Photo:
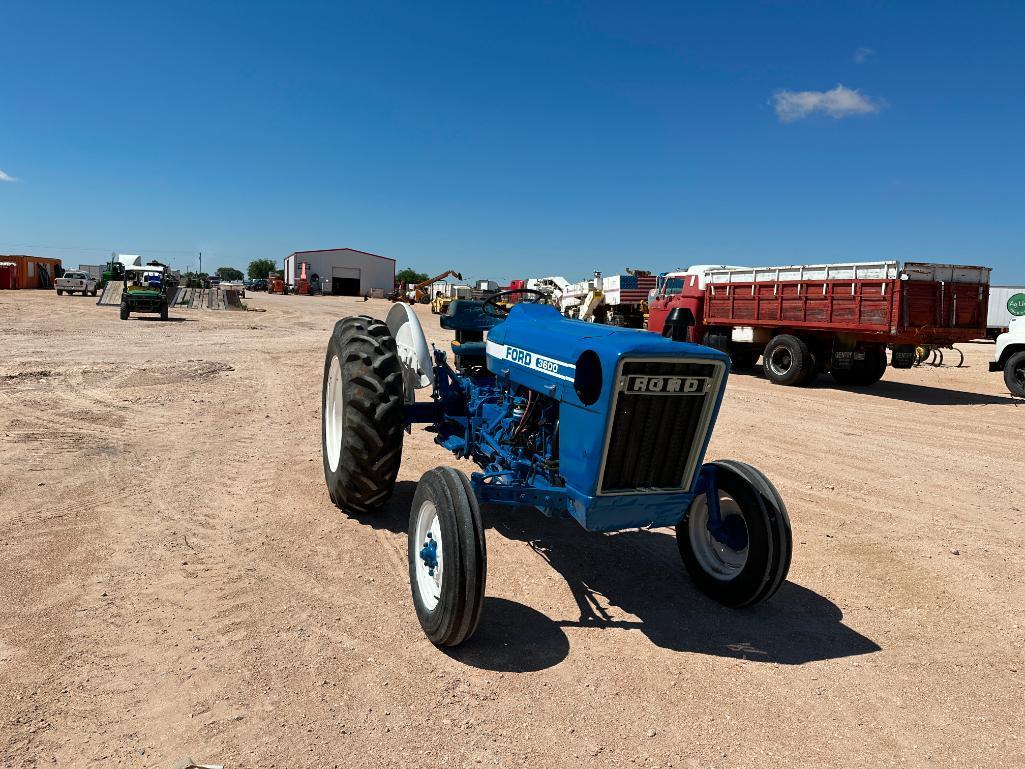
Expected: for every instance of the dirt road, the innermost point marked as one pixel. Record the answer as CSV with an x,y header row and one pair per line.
x,y
175,581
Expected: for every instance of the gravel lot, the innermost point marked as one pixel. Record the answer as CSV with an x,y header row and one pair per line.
x,y
175,581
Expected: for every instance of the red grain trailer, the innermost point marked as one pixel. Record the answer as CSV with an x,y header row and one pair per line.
x,y
808,319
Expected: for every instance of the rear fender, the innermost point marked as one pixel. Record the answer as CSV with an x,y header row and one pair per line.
x,y
414,354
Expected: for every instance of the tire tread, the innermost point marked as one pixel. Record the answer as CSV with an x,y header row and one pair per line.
x,y
371,450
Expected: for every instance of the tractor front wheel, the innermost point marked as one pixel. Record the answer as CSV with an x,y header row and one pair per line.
x,y
448,560
361,428
124,311
740,556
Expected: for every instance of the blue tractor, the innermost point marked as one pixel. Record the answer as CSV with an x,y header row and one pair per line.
x,y
605,425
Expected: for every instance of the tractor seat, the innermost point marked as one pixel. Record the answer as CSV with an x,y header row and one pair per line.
x,y
467,315
467,319
463,349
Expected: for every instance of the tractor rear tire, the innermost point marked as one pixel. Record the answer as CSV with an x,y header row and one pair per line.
x,y
124,311
744,576
448,562
362,421
1014,374
163,311
787,360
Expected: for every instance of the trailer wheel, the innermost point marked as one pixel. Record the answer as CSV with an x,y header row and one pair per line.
x,y
361,427
747,558
124,311
448,561
1014,374
814,369
787,360
60,292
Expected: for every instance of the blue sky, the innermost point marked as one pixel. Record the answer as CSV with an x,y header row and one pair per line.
x,y
516,139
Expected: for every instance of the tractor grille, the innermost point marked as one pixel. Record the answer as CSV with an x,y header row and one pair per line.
x,y
659,424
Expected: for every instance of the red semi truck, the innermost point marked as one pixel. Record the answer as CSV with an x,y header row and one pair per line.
x,y
808,319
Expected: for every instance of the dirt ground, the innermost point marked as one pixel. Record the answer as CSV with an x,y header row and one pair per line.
x,y
175,581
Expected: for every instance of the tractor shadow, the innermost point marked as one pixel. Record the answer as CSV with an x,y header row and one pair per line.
x,y
903,391
637,573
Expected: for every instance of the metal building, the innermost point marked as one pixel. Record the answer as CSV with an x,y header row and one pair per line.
x,y
343,271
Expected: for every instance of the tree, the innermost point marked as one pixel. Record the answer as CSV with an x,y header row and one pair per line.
x,y
409,275
260,268
229,273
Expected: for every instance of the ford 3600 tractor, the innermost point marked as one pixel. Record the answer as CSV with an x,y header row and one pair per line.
x,y
605,425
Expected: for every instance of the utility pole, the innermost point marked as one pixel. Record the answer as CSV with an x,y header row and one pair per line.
x,y
201,261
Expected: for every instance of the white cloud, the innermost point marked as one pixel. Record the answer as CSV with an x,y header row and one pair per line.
x,y
837,103
6,177
862,53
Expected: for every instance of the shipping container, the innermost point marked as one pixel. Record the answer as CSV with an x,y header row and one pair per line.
x,y
33,271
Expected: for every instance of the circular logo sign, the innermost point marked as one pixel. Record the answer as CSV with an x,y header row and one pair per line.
x,y
1016,304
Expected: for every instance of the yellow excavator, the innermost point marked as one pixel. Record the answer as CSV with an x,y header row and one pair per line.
x,y
420,296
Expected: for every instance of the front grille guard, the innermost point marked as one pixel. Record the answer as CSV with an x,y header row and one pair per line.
x,y
699,436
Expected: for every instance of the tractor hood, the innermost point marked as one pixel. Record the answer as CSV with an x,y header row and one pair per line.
x,y
577,362
635,413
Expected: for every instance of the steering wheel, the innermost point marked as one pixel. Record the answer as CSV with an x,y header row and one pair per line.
x,y
492,307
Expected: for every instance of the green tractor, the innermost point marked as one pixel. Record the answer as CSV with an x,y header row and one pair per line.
x,y
145,290
112,271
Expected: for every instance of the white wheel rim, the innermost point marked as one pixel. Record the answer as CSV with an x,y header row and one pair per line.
x,y
334,414
714,557
428,529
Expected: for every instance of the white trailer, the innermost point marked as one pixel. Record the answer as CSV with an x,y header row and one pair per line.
x,y
94,271
1005,304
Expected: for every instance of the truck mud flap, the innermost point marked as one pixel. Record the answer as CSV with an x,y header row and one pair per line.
x,y
903,356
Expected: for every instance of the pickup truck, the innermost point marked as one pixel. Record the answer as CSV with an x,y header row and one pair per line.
x,y
76,281
1010,357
